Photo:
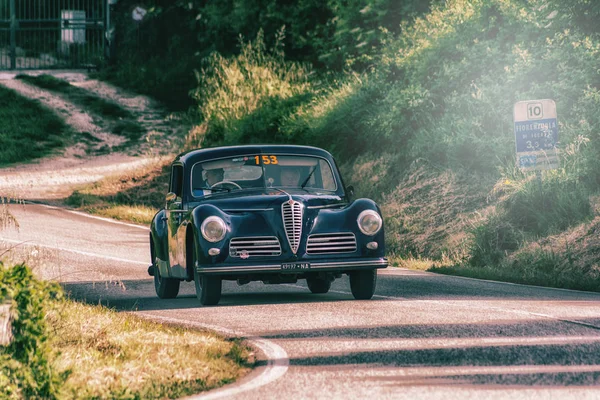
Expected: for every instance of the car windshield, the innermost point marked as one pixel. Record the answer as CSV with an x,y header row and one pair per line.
x,y
286,172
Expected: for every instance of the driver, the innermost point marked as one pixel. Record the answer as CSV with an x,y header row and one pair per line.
x,y
212,176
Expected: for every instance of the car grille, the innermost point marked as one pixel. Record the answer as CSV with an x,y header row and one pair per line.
x,y
331,243
292,221
256,246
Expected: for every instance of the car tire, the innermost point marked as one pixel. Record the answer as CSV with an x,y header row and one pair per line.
x,y
318,285
208,288
362,284
166,288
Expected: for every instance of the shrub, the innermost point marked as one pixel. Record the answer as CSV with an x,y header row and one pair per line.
x,y
493,240
26,370
242,99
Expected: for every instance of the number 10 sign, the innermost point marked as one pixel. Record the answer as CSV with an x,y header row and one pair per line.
x,y
536,135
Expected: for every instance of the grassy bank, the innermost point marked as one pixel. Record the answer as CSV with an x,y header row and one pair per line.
x,y
133,197
123,356
68,350
107,113
28,129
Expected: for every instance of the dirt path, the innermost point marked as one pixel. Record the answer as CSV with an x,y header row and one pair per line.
x,y
55,177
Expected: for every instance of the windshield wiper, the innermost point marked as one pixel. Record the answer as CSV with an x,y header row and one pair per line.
x,y
308,177
217,189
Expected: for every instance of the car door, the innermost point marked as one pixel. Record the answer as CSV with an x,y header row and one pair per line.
x,y
175,213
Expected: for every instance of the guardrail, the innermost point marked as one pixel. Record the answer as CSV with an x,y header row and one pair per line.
x,y
6,336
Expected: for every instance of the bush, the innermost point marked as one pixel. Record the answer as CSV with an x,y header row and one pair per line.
x,y
493,240
242,99
26,370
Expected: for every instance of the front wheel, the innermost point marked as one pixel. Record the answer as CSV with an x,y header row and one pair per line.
x,y
208,288
318,285
362,284
166,288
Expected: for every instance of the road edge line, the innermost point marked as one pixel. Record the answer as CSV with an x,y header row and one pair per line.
x,y
277,359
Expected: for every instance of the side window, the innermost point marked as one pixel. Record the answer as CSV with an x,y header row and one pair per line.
x,y
176,184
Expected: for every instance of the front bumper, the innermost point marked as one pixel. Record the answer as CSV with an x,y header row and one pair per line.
x,y
332,266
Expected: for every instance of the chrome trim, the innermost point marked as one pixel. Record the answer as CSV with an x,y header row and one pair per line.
x,y
247,209
254,246
291,213
327,206
331,243
381,263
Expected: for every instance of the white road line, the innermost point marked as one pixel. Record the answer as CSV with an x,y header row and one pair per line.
x,y
277,359
83,253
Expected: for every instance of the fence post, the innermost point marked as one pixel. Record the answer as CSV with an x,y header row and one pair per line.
x,y
13,35
5,325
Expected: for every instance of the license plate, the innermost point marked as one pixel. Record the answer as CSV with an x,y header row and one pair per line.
x,y
295,266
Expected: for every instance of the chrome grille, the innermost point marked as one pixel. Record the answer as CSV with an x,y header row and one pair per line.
x,y
292,221
331,243
255,246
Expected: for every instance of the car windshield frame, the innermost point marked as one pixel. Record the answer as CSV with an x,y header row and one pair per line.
x,y
265,184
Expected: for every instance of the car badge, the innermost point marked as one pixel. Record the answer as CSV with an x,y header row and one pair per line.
x,y
291,202
244,254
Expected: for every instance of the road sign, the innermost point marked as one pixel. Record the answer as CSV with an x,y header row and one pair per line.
x,y
536,135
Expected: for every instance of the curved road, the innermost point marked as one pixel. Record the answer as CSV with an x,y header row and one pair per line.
x,y
422,336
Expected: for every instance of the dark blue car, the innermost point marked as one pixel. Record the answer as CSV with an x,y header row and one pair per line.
x,y
269,213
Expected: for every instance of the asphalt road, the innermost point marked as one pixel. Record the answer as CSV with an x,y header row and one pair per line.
x,y
423,336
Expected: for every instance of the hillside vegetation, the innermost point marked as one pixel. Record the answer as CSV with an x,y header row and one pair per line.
x,y
421,120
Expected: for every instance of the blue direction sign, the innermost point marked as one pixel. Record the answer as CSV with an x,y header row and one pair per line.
x,y
536,134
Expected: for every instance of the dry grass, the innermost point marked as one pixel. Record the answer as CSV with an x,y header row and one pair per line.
x,y
134,197
118,355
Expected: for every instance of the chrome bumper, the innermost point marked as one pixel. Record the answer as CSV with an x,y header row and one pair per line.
x,y
276,268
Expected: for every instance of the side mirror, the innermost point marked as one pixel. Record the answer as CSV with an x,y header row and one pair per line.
x,y
171,197
350,191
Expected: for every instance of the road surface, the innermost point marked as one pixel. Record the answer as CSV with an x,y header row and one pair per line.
x,y
422,336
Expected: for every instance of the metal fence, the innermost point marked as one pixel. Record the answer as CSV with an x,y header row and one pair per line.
x,y
39,34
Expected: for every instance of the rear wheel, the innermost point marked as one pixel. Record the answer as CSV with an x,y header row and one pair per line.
x,y
318,285
362,284
208,288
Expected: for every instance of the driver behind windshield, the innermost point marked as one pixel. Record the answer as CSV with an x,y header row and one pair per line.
x,y
212,176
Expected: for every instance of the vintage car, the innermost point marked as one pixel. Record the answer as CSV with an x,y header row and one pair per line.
x,y
270,213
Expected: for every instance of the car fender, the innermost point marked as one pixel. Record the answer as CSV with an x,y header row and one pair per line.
x,y
158,236
199,214
346,219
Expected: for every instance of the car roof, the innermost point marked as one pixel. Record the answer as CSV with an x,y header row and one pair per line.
x,y
209,153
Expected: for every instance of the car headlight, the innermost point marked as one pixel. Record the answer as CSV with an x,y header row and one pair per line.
x,y
213,229
369,222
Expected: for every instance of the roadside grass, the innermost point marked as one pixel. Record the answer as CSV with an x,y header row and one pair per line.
x,y
133,197
28,129
121,121
117,355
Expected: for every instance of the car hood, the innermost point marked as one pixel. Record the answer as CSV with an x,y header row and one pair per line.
x,y
260,202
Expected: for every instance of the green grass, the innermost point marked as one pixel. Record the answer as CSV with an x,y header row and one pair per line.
x,y
82,97
119,120
28,130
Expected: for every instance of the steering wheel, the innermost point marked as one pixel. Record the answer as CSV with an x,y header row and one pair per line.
x,y
225,183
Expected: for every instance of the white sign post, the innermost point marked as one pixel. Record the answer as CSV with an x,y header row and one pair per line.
x,y
536,135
